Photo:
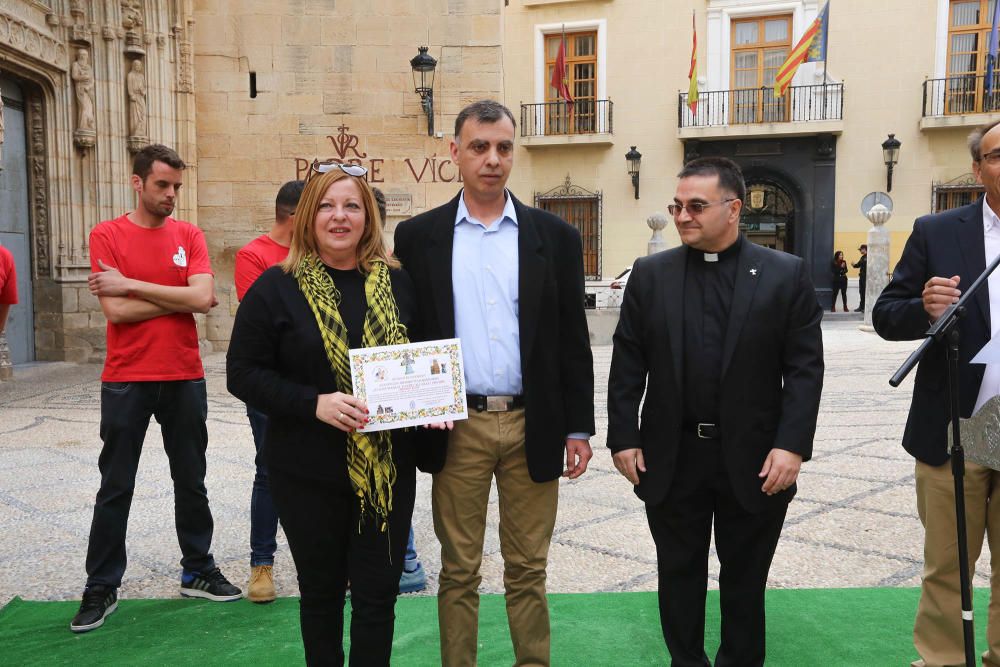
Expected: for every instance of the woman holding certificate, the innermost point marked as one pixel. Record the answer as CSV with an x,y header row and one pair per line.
x,y
344,498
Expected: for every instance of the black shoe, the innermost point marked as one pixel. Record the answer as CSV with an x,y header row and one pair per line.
x,y
212,585
859,310
98,602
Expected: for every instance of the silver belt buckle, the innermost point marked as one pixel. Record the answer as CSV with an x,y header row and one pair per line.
x,y
498,403
704,437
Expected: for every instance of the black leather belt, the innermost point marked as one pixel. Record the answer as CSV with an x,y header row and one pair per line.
x,y
506,403
704,431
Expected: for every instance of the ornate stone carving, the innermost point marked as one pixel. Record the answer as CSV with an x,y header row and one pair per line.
x,y
77,8
83,85
1,129
137,125
185,60
133,23
32,41
39,187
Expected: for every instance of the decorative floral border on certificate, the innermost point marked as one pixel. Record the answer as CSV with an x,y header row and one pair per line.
x,y
452,350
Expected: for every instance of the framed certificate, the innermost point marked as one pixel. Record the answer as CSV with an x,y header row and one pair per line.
x,y
411,384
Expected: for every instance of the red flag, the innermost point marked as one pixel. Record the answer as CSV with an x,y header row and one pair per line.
x,y
559,74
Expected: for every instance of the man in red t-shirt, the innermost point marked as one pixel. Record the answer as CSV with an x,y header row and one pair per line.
x,y
151,273
252,260
8,285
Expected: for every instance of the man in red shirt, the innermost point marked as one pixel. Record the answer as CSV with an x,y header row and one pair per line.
x,y
8,285
151,273
252,260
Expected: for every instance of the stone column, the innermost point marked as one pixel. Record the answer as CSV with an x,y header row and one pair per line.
x,y
878,260
656,222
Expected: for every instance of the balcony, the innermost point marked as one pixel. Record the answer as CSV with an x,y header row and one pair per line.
x,y
802,110
586,122
959,101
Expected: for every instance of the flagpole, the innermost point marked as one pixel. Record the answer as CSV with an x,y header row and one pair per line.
x,y
565,78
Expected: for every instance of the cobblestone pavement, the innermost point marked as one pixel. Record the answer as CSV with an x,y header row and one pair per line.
x,y
853,522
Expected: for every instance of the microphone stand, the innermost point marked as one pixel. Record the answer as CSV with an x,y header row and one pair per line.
x,y
946,330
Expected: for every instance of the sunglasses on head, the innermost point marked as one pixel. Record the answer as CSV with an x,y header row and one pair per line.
x,y
323,167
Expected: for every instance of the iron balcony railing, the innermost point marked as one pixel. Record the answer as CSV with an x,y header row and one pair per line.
x,y
759,105
961,94
556,118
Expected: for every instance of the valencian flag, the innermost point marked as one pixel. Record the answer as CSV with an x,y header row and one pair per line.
x,y
559,74
693,71
811,48
991,57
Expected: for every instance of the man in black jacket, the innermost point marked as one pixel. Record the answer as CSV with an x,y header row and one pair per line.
x,y
862,266
947,251
723,338
508,280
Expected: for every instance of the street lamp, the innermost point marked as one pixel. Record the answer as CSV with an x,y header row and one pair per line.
x,y
890,154
424,64
633,158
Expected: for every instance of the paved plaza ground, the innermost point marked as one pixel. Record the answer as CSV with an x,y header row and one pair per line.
x,y
852,524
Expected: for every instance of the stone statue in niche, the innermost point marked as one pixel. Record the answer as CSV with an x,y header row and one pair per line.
x,y
138,124
136,83
83,83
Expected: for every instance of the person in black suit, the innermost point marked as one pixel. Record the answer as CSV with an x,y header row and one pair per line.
x,y
723,338
345,498
507,280
862,266
945,252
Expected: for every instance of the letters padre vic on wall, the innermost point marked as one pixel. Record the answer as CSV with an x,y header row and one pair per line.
x,y
431,169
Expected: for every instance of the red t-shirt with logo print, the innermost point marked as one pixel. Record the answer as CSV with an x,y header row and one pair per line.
x,y
165,347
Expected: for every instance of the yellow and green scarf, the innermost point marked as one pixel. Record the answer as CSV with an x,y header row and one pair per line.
x,y
369,455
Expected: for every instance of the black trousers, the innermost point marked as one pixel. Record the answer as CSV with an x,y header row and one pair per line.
x,y
180,407
862,288
320,519
842,289
745,542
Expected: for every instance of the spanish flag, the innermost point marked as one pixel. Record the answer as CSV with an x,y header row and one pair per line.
x,y
811,48
693,71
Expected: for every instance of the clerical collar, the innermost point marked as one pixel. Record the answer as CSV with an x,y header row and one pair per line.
x,y
730,252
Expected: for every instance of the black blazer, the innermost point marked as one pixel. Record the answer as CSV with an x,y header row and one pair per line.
x,y
277,363
772,369
557,367
946,244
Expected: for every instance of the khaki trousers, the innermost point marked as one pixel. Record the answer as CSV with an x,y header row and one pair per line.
x,y
937,632
491,444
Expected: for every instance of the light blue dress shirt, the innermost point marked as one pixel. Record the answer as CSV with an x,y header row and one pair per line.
x,y
484,278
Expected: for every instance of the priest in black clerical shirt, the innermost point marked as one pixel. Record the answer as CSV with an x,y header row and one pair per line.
x,y
723,338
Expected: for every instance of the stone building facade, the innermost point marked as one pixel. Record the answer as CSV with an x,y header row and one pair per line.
x,y
251,92
75,107
295,82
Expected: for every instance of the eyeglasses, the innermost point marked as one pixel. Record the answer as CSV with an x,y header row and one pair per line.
x,y
324,167
695,207
993,157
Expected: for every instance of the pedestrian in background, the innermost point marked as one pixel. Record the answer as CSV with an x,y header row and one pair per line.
x,y
838,271
862,266
8,285
252,260
150,274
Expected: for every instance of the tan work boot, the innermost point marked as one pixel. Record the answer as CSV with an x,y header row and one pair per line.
x,y
261,588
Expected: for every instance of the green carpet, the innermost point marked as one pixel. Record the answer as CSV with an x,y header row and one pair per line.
x,y
829,627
